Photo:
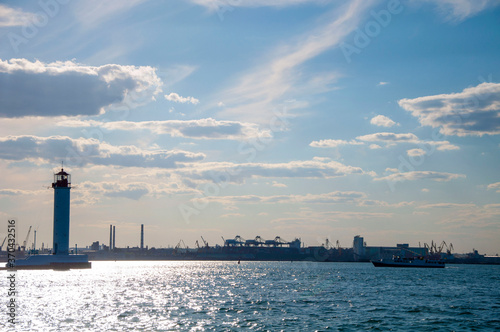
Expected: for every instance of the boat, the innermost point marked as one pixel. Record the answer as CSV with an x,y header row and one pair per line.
x,y
410,262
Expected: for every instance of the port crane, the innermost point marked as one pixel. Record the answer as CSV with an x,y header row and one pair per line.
x,y
179,245
204,242
443,245
26,239
434,249
3,242
255,242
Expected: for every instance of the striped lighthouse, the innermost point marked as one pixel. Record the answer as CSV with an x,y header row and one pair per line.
x,y
62,187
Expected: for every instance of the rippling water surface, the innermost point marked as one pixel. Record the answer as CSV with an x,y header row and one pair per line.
x,y
225,296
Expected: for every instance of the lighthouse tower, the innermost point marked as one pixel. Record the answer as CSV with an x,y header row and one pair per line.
x,y
62,187
60,258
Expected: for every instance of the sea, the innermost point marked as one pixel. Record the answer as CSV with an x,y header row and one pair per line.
x,y
260,296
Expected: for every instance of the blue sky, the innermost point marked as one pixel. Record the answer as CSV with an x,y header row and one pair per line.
x,y
304,118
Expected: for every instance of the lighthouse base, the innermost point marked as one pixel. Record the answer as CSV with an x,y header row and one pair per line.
x,y
51,262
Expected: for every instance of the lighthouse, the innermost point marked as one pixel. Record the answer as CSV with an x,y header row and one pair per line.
x,y
62,187
60,258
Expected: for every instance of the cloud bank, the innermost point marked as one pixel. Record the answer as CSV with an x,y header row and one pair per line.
x,y
82,151
67,88
419,175
226,172
473,112
388,138
196,129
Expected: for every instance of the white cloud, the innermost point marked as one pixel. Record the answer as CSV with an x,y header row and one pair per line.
x,y
332,143
445,206
336,197
67,88
389,137
415,152
495,186
419,175
393,138
232,215
266,85
92,192
382,83
467,215
82,151
217,5
179,99
445,146
10,17
474,111
459,10
382,121
195,129
226,172
307,218
18,192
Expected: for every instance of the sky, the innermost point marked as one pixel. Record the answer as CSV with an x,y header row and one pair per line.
x,y
308,119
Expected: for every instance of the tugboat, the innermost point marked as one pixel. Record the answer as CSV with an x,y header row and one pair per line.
x,y
397,261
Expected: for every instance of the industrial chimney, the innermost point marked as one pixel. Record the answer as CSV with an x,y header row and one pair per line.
x,y
142,236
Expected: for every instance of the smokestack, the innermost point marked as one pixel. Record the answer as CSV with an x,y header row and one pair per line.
x,y
114,234
142,236
110,237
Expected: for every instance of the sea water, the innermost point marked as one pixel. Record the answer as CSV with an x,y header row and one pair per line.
x,y
261,296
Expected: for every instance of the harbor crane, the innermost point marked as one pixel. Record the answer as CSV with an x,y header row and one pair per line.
x,y
179,245
3,242
26,240
255,242
337,245
204,242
